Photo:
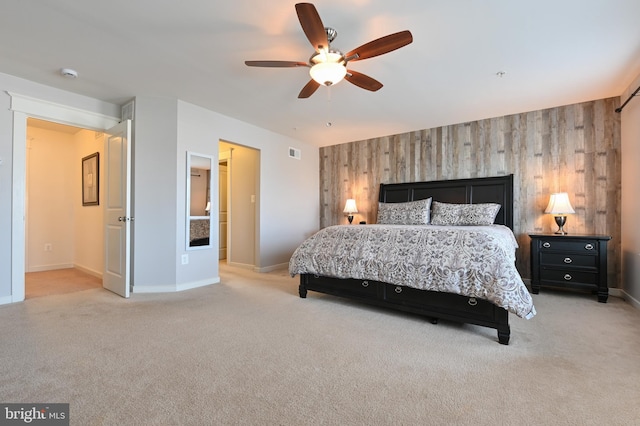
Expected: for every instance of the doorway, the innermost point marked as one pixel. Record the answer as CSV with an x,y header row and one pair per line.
x,y
243,186
63,238
24,107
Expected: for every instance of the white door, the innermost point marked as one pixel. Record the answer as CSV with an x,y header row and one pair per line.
x,y
117,161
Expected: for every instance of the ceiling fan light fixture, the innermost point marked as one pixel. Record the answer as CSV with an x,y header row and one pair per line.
x,y
328,73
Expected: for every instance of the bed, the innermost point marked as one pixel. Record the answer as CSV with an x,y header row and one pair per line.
x,y
432,266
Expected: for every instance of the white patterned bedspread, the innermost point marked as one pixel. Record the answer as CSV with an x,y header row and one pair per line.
x,y
474,261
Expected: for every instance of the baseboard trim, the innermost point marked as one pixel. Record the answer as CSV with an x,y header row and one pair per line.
x,y
241,265
43,268
174,288
258,269
89,271
628,298
153,289
271,268
616,292
7,299
197,284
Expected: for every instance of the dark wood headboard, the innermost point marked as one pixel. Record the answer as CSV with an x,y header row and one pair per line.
x,y
477,190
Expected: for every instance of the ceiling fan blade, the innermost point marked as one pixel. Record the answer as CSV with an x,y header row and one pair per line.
x,y
312,26
275,64
363,81
309,89
380,46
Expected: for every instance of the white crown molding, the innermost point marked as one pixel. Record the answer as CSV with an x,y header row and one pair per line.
x,y
60,113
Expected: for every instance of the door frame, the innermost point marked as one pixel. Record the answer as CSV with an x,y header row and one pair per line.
x,y
24,107
235,163
227,156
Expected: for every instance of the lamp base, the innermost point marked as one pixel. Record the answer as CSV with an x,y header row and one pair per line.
x,y
560,221
350,219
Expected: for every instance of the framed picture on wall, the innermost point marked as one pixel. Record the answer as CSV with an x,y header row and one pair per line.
x,y
91,180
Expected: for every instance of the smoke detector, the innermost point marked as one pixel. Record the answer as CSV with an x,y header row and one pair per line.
x,y
69,73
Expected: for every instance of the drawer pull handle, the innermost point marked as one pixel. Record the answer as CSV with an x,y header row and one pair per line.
x,y
472,301
546,245
398,289
567,277
589,246
567,260
365,283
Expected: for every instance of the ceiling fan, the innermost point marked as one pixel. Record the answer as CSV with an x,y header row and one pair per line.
x,y
328,66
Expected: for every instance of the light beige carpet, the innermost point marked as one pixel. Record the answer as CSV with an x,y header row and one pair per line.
x,y
249,351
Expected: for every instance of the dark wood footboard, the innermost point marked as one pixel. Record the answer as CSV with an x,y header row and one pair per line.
x,y
433,305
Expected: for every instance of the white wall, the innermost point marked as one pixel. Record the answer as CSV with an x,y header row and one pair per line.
x,y
153,197
50,209
288,201
160,147
55,214
630,124
88,221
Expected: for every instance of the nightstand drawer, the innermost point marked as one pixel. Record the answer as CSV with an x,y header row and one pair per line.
x,y
568,259
566,276
583,246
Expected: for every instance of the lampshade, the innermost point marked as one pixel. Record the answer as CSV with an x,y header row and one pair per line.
x,y
328,73
207,208
559,204
350,206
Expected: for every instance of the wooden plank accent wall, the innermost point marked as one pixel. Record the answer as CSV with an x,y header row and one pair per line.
x,y
573,148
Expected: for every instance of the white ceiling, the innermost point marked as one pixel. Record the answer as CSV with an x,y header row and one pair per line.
x,y
554,52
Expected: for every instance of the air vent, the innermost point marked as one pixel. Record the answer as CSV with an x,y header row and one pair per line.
x,y
127,111
295,153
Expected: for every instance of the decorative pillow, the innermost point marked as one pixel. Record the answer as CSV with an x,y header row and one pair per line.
x,y
410,213
464,214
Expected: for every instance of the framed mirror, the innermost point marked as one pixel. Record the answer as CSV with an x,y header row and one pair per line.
x,y
198,201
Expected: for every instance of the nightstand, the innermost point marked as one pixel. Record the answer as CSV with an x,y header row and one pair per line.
x,y
570,261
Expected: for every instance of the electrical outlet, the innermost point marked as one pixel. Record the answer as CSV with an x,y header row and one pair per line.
x,y
185,259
